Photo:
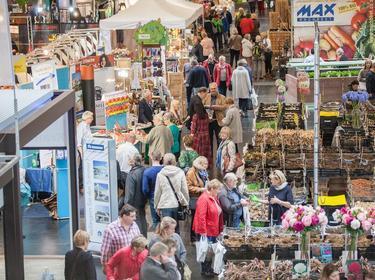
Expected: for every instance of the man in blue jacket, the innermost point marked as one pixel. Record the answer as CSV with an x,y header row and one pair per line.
x,y
148,184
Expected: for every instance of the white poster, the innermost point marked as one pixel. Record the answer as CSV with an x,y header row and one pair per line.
x,y
327,13
100,185
44,75
6,69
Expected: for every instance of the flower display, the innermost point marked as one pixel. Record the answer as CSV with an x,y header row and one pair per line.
x,y
302,218
356,219
355,96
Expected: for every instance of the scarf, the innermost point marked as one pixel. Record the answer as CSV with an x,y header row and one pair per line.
x,y
219,154
203,174
282,186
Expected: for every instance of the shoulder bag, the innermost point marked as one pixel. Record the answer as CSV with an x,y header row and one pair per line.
x,y
182,211
237,163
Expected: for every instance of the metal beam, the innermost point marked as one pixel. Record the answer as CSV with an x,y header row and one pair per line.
x,y
44,117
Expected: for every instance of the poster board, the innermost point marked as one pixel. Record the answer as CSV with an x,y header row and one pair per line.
x,y
44,75
343,24
100,184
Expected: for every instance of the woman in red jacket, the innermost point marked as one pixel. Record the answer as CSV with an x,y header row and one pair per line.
x,y
223,75
127,262
208,219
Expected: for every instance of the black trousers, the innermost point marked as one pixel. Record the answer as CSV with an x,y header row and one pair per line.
x,y
214,129
252,7
268,62
218,41
242,103
223,88
234,56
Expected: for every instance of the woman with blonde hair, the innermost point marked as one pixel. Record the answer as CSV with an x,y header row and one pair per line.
x,y
280,196
247,49
363,74
234,47
256,22
196,178
165,230
175,110
79,263
208,45
226,153
233,121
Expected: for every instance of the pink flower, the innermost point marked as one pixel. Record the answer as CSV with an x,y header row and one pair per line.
x,y
292,222
361,216
300,211
344,210
285,224
306,221
322,217
366,225
314,220
347,219
298,226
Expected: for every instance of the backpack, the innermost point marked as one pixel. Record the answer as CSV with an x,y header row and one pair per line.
x,y
257,52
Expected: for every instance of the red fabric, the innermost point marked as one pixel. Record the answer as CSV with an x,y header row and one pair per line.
x,y
124,265
202,145
207,219
205,65
217,73
246,25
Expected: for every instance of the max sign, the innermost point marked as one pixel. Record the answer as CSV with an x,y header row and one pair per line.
x,y
328,13
320,12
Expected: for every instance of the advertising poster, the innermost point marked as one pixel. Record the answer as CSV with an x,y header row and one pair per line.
x,y
44,75
100,184
346,24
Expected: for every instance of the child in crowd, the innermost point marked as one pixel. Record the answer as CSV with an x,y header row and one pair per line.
x,y
185,161
172,248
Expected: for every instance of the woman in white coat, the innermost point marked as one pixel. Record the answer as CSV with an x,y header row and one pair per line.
x,y
247,49
241,86
233,121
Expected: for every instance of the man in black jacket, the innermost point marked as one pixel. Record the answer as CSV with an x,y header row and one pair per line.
x,y
197,78
370,82
133,192
197,50
145,109
196,104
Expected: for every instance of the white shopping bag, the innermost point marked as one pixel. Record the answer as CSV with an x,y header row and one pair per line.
x,y
246,216
218,263
202,248
254,98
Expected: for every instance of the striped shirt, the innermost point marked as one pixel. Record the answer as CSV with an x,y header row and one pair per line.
x,y
116,237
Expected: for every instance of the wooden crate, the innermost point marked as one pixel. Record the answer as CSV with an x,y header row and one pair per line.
x,y
274,20
283,8
278,39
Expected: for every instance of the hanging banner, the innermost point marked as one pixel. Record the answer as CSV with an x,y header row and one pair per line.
x,y
100,185
6,76
44,75
346,24
152,33
19,63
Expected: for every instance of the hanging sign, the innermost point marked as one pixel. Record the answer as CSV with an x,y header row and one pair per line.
x,y
345,24
303,83
152,33
44,75
100,185
19,63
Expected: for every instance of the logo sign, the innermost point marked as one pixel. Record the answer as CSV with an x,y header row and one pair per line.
x,y
326,13
144,36
320,12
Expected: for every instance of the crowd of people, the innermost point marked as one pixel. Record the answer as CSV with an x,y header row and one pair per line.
x,y
180,184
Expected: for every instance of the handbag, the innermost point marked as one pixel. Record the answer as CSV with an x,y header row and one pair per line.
x,y
237,163
182,211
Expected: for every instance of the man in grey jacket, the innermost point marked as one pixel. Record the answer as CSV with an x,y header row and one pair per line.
x,y
133,191
158,266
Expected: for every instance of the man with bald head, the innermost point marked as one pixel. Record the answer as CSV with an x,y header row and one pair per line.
x,y
145,108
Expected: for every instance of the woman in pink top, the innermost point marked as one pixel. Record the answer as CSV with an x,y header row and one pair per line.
x,y
208,45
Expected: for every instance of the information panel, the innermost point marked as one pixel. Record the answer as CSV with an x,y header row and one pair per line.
x,y
100,186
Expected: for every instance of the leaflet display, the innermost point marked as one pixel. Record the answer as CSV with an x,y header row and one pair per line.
x,y
100,185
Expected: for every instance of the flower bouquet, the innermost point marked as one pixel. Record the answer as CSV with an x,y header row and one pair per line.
x,y
280,91
358,98
356,221
302,219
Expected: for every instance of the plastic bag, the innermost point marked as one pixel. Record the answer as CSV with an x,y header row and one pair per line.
x,y
218,263
246,216
202,248
254,98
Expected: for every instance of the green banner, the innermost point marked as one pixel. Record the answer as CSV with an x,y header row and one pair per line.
x,y
152,33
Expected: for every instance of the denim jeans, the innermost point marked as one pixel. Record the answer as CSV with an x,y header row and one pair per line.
x,y
155,217
236,221
171,212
